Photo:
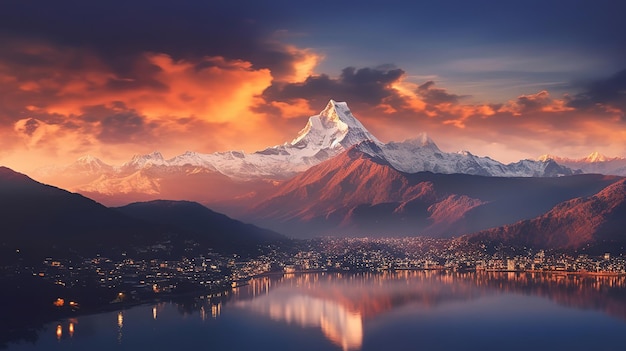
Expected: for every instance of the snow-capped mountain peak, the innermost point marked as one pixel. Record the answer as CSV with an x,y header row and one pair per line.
x,y
593,163
330,114
190,158
422,140
334,130
546,157
425,140
596,157
335,127
88,159
421,154
325,135
82,165
139,161
89,164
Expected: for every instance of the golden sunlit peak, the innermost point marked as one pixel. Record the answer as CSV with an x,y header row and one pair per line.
x,y
597,157
546,157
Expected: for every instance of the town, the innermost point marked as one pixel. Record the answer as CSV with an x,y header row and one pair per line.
x,y
130,279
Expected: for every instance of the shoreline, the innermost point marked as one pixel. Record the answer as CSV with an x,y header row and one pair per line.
x,y
60,316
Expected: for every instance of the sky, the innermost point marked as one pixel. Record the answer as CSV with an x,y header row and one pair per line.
x,y
509,80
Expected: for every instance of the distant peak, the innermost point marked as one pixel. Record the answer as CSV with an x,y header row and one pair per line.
x,y
596,157
547,157
591,158
87,159
151,156
422,140
154,158
89,163
156,155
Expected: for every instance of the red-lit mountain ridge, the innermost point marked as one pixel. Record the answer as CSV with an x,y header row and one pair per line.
x,y
597,221
357,194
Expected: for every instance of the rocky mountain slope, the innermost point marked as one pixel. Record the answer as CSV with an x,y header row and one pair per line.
x,y
597,221
211,229
39,220
356,194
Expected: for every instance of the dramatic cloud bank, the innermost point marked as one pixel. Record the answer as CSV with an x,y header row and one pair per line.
x,y
120,79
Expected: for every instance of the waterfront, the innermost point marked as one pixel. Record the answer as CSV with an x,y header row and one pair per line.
x,y
367,311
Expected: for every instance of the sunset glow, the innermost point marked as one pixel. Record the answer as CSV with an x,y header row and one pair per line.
x,y
313,175
67,93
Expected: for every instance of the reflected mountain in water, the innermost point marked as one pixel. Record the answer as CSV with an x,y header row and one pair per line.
x,y
340,325
340,304
366,311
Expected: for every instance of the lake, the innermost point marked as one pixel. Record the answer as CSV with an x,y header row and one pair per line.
x,y
402,310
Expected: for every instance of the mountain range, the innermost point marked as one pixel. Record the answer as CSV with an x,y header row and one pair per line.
x,y
597,221
357,194
215,229
39,220
226,175
43,218
594,163
336,178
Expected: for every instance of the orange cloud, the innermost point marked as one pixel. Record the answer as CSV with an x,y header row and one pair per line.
x,y
297,108
525,127
45,142
407,91
305,61
162,103
461,113
541,101
214,90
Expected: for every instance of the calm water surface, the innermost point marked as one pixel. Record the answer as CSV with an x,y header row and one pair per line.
x,y
386,311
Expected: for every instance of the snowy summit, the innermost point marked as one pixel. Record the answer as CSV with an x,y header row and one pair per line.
x,y
334,130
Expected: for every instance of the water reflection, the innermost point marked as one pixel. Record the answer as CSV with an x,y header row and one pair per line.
x,y
61,327
216,309
340,325
120,326
339,304
344,308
